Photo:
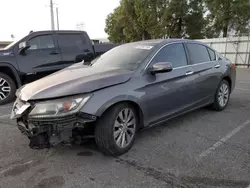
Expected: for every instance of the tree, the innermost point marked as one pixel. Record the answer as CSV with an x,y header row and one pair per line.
x,y
228,15
132,29
143,18
195,21
136,20
184,18
175,17
149,15
115,26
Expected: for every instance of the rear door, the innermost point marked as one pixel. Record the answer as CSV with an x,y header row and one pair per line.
x,y
169,93
41,59
206,70
74,48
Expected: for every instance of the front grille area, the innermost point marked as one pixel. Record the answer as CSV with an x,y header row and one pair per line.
x,y
48,132
53,125
60,123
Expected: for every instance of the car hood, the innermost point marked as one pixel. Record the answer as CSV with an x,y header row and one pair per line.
x,y
77,79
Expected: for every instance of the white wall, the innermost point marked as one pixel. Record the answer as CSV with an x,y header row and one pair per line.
x,y
237,49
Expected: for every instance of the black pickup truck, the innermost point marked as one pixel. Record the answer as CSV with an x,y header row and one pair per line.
x,y
42,53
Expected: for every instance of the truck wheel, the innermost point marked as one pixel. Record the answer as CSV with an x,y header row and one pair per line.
x,y
222,96
116,129
7,89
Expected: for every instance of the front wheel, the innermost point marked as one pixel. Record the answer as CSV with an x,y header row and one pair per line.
x,y
116,130
7,89
222,96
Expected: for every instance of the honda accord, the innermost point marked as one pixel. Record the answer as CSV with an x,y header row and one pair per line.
x,y
129,88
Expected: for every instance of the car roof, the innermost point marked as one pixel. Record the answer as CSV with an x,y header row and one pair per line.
x,y
158,43
167,41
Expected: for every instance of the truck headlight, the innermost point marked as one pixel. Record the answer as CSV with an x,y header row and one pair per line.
x,y
59,107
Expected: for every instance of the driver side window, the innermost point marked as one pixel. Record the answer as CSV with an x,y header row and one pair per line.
x,y
41,42
173,53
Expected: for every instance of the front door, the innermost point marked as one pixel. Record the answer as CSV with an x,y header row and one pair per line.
x,y
169,93
41,59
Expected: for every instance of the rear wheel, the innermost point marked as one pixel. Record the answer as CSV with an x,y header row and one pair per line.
x,y
116,130
222,96
7,89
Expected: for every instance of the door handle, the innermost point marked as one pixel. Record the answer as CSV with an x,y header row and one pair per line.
x,y
217,66
54,53
189,73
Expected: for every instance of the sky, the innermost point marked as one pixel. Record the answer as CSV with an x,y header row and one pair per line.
x,y
19,17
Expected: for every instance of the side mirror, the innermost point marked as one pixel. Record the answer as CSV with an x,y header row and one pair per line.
x,y
161,67
23,46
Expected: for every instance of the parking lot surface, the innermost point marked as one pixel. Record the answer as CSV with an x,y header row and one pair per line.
x,y
201,149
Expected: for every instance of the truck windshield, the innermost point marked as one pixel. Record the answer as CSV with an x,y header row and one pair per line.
x,y
12,43
128,56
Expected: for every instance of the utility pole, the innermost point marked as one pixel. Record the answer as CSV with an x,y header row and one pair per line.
x,y
57,18
52,15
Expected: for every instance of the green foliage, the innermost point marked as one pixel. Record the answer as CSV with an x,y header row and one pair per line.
x,y
175,18
195,21
114,26
137,20
228,15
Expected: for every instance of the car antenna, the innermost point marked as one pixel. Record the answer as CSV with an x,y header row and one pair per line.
x,y
31,32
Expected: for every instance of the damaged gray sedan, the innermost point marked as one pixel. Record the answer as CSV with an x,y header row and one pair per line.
x,y
131,87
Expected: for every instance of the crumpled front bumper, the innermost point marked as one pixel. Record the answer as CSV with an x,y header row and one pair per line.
x,y
33,127
44,133
47,132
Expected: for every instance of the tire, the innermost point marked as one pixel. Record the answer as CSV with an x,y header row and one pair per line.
x,y
106,129
217,105
5,95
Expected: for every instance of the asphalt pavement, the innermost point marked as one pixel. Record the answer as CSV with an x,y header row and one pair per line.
x,y
201,149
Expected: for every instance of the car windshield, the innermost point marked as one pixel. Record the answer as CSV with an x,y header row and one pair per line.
x,y
128,56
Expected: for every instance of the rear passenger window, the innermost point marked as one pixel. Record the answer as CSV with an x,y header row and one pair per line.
x,y
174,54
212,54
198,53
70,42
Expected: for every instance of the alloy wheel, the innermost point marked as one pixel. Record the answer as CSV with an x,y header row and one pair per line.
x,y
124,128
223,95
5,89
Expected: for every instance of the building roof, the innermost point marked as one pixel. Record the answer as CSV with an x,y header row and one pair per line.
x,y
5,42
